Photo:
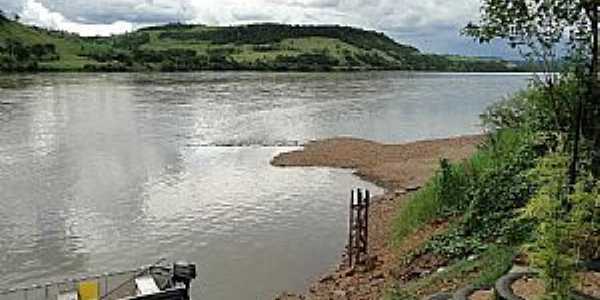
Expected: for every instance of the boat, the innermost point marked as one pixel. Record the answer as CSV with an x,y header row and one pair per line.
x,y
154,282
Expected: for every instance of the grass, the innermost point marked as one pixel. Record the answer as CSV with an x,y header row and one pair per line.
x,y
423,207
452,192
482,272
70,48
443,195
339,48
448,191
248,54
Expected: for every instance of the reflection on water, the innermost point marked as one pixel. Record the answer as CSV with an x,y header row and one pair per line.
x,y
110,171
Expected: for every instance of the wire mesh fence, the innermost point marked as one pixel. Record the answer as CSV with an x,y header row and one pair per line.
x,y
110,286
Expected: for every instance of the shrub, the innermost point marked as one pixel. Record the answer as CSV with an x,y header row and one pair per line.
x,y
486,190
443,195
567,224
542,108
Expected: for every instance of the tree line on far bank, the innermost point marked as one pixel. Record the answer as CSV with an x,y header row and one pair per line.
x,y
135,51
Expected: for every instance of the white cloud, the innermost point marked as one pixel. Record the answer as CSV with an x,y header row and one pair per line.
x,y
35,13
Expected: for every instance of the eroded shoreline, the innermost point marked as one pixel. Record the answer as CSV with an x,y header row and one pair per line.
x,y
399,168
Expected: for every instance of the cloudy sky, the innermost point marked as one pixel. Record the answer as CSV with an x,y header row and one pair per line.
x,y
431,25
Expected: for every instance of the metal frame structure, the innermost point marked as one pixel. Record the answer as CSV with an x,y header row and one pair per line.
x,y
358,229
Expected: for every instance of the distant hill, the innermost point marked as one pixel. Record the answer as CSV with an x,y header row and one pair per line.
x,y
182,47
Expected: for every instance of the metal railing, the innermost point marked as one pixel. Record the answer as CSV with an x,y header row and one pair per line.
x,y
111,286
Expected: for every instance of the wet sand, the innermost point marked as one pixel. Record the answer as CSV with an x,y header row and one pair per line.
x,y
400,169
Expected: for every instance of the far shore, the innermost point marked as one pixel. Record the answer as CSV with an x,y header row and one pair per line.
x,y
400,169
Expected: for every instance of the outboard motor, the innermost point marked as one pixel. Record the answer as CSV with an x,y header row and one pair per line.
x,y
183,273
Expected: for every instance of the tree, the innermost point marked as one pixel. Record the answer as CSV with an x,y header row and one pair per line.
x,y
540,27
17,17
537,24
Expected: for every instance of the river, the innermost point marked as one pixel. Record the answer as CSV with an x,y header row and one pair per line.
x,y
102,172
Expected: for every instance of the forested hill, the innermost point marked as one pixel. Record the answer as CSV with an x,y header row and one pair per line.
x,y
181,47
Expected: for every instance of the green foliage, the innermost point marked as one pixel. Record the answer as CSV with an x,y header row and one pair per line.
x,y
542,108
517,192
262,47
373,59
257,34
16,56
486,190
567,224
306,62
495,261
443,195
482,271
538,24
501,187
423,207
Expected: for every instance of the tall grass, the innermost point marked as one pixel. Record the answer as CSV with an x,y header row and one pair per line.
x,y
445,193
423,207
448,192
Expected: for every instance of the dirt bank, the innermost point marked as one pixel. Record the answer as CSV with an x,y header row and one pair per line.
x,y
398,168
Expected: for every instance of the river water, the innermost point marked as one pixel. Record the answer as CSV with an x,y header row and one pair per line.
x,y
102,172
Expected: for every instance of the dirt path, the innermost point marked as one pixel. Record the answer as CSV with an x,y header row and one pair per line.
x,y
397,168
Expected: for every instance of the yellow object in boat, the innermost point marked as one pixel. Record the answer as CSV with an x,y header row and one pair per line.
x,y
88,290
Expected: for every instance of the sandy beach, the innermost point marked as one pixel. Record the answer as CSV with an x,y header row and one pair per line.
x,y
400,169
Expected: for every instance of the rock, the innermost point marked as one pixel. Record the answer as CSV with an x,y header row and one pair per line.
x,y
413,188
339,294
399,193
289,296
439,296
520,269
441,270
370,263
472,257
326,278
348,273
377,275
377,282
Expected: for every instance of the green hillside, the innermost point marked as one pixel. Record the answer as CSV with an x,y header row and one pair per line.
x,y
179,47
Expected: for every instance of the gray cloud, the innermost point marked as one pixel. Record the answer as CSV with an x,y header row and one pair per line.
x,y
110,11
11,6
433,25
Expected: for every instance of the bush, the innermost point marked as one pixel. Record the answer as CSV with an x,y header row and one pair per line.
x,y
258,34
542,108
486,190
567,224
307,62
443,195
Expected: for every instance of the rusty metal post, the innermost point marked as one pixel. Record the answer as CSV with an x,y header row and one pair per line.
x,y
366,228
358,227
351,230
